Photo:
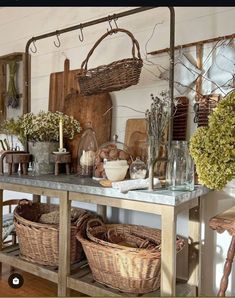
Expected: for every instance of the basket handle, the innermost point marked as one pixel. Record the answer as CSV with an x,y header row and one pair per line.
x,y
140,242
134,43
94,222
97,221
25,202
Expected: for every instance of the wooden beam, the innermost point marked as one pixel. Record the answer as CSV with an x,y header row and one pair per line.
x,y
191,44
17,56
199,54
116,202
36,190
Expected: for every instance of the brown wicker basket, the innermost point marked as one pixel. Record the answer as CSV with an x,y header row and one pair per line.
x,y
114,76
38,242
124,257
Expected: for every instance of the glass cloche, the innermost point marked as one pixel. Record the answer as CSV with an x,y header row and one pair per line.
x,y
86,152
113,150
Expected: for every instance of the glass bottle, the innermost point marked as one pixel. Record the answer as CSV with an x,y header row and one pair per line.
x,y
180,167
86,152
138,169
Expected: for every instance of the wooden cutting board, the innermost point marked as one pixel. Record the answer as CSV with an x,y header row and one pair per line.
x,y
136,137
64,97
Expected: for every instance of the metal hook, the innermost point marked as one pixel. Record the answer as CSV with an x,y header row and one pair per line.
x,y
57,45
115,22
35,48
81,38
110,25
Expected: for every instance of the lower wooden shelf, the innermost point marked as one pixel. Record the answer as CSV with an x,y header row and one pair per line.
x,y
80,279
10,256
83,282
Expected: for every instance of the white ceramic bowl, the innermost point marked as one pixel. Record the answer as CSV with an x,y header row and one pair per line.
x,y
116,173
115,163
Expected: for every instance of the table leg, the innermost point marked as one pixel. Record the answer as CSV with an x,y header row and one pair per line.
x,y
102,211
1,217
64,245
36,198
194,248
168,251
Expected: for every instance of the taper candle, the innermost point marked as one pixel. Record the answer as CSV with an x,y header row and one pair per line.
x,y
61,133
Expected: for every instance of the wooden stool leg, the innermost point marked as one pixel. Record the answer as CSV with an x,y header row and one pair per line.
x,y
56,169
67,168
24,168
9,168
227,268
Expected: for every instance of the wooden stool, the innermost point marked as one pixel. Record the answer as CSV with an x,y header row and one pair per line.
x,y
220,223
16,159
63,158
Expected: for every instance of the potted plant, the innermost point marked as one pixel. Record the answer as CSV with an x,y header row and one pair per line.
x,y
213,147
42,133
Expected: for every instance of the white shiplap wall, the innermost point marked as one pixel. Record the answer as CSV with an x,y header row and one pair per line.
x,y
18,24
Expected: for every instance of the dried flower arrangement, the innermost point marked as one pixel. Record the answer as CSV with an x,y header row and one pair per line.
x,y
43,127
157,119
212,147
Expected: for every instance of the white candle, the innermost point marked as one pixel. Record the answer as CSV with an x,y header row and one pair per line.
x,y
61,133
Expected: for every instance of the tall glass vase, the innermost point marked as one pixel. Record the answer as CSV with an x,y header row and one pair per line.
x,y
153,151
180,167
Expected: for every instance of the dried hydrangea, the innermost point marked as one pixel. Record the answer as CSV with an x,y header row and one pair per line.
x,y
213,147
43,127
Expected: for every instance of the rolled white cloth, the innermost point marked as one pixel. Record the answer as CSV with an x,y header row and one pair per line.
x,y
126,185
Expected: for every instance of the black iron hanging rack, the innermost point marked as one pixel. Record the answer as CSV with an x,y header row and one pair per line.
x,y
27,101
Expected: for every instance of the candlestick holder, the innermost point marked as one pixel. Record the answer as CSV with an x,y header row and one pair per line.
x,y
60,159
61,151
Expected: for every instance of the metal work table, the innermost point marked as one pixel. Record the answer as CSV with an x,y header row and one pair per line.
x,y
70,188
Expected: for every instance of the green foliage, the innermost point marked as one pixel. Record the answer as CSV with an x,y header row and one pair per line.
x,y
43,127
213,147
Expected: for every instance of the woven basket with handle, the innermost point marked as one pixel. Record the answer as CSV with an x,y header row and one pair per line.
x,y
114,76
39,242
124,257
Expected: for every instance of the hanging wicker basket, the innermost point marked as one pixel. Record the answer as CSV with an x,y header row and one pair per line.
x,y
124,257
39,242
114,76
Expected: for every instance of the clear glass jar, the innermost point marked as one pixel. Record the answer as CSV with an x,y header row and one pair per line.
x,y
180,167
113,150
86,152
138,169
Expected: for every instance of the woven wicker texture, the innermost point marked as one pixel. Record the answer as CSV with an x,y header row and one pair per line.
x,y
114,76
38,242
124,257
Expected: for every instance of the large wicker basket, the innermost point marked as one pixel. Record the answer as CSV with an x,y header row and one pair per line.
x,y
39,242
133,269
114,76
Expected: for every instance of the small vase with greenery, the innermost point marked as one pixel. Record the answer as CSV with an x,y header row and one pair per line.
x,y
213,147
